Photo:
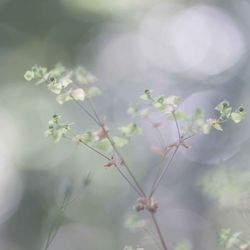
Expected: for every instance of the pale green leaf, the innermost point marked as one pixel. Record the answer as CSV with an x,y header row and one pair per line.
x,y
39,71
93,91
224,109
178,115
29,75
237,117
58,70
55,87
147,95
130,129
132,109
198,114
65,97
215,124
104,145
173,100
205,128
84,77
143,112
120,141
85,138
65,82
222,106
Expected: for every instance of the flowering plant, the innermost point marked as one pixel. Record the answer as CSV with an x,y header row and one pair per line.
x,y
79,86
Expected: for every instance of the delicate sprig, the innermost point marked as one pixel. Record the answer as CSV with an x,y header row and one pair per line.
x,y
56,129
77,86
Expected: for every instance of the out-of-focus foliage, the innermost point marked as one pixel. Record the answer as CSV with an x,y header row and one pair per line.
x,y
183,245
222,185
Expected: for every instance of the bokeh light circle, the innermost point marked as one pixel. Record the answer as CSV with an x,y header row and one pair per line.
x,y
199,41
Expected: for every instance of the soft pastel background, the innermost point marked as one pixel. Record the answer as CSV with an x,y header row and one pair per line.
x,y
196,49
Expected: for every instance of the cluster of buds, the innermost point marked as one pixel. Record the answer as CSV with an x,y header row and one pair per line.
x,y
113,162
146,203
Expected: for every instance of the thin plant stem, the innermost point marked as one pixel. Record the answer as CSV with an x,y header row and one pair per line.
x,y
89,147
164,171
95,150
99,123
116,166
128,181
97,120
158,131
123,162
153,236
160,166
55,225
92,106
161,138
160,173
158,230
177,125
87,112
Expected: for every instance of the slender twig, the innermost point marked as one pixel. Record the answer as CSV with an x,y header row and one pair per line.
x,y
95,150
158,231
92,106
153,237
160,166
99,123
87,112
158,131
55,225
189,137
177,125
137,186
161,138
109,159
164,171
123,162
116,166
88,146
126,178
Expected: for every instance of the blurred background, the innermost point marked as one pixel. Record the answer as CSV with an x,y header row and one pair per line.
x,y
198,50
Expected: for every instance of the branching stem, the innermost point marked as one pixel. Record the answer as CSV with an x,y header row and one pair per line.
x,y
164,171
158,231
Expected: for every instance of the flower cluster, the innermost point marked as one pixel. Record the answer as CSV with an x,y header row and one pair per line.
x,y
146,203
56,129
68,85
